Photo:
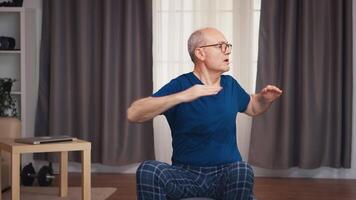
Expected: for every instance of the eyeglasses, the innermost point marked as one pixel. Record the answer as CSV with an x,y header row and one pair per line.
x,y
223,46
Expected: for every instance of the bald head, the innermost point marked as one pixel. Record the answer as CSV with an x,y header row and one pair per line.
x,y
199,38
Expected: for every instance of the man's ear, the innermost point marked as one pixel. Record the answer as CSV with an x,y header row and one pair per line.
x,y
199,54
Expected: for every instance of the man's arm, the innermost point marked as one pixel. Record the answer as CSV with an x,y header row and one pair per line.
x,y
149,107
260,102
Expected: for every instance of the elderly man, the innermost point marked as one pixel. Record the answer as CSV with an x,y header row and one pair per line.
x,y
201,108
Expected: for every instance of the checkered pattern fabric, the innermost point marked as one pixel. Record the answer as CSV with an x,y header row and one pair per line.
x,y
160,181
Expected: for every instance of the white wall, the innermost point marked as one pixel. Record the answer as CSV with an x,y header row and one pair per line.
x,y
37,5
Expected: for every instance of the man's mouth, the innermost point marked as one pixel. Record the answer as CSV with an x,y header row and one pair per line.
x,y
226,60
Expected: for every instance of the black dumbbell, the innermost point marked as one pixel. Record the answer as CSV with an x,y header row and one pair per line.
x,y
27,175
44,177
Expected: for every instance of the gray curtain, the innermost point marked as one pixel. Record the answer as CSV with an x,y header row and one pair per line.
x,y
95,59
305,48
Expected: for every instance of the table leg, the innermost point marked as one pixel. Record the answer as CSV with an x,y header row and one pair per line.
x,y
63,170
86,175
15,176
0,175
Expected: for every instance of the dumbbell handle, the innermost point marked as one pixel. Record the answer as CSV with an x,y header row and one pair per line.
x,y
35,176
50,176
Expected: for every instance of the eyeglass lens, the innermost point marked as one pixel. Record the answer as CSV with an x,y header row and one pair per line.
x,y
225,47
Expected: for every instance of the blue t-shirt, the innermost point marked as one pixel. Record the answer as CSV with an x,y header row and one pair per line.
x,y
204,130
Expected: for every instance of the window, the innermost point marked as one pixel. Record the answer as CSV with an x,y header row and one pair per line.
x,y
173,22
256,27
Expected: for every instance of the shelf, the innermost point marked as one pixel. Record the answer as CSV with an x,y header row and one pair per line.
x,y
19,63
11,51
11,9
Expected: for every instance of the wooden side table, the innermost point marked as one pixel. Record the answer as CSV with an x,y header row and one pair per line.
x,y
16,149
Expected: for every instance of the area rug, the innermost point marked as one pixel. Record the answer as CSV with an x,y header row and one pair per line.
x,y
51,193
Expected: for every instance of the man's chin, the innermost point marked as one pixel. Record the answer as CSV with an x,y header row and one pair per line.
x,y
223,68
226,68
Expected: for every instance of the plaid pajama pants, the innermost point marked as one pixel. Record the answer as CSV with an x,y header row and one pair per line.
x,y
160,181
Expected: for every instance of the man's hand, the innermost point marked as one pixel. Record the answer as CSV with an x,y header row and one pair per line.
x,y
270,93
197,91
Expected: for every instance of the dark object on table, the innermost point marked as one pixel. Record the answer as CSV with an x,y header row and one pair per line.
x,y
7,43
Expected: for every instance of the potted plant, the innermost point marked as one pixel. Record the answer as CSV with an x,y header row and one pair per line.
x,y
8,106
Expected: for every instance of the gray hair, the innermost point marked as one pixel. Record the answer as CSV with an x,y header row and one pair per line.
x,y
195,40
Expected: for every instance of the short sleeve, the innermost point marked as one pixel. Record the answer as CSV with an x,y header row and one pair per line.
x,y
170,88
243,98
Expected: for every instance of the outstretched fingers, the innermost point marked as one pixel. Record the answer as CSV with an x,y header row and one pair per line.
x,y
272,89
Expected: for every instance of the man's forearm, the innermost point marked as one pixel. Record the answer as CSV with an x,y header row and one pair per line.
x,y
147,108
261,104
258,105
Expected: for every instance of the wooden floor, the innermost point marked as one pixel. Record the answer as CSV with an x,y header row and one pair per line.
x,y
265,188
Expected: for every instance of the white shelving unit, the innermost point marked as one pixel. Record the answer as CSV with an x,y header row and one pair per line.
x,y
19,64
